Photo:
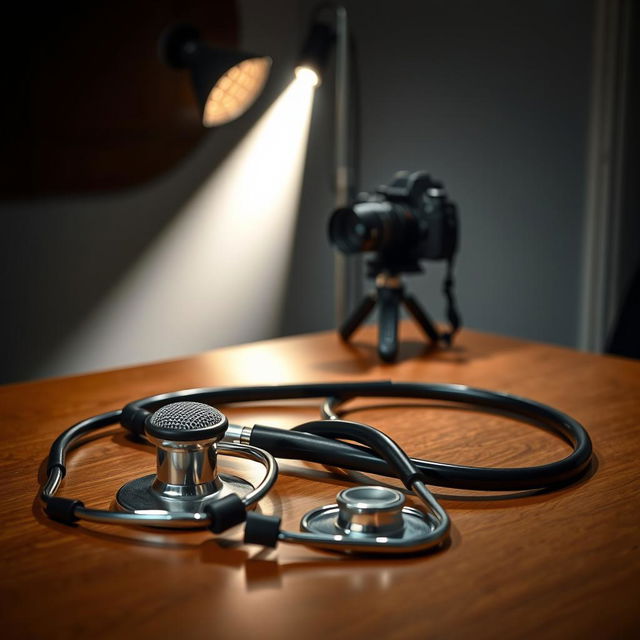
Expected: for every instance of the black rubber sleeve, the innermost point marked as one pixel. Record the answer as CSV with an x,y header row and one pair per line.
x,y
261,529
62,509
134,418
225,513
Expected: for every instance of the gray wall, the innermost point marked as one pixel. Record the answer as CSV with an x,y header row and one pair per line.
x,y
490,97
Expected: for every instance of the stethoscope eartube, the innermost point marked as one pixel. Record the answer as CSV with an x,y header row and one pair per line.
x,y
189,435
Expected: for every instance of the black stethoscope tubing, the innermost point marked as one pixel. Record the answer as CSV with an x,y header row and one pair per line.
x,y
320,443
323,441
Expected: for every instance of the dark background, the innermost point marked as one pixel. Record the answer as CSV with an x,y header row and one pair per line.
x,y
494,98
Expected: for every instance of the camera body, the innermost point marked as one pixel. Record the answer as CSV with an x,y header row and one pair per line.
x,y
410,219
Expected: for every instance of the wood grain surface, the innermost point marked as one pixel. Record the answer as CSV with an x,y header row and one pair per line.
x,y
564,564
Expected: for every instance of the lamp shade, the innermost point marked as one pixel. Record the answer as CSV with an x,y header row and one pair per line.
x,y
226,83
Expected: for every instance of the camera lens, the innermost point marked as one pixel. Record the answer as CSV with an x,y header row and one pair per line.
x,y
370,226
348,232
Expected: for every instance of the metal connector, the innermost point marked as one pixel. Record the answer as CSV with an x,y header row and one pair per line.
x,y
238,434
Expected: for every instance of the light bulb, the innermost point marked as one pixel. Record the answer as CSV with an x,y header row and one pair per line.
x,y
307,76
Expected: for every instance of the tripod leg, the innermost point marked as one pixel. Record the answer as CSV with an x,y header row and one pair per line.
x,y
421,317
389,300
358,316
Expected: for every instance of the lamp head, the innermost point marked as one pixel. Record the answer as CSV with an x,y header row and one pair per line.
x,y
307,76
226,83
314,55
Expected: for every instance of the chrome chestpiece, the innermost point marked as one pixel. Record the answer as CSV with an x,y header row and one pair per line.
x,y
369,510
186,436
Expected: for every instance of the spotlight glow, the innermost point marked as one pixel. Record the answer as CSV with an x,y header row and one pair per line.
x,y
216,275
307,76
236,91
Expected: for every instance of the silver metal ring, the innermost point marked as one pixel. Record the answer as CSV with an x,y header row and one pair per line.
x,y
374,520
250,452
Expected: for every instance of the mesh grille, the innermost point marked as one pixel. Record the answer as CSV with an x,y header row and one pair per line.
x,y
186,416
235,92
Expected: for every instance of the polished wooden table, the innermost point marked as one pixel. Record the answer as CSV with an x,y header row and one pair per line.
x,y
564,564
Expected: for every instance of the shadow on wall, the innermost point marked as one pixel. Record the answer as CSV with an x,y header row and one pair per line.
x,y
209,260
76,269
216,273
62,255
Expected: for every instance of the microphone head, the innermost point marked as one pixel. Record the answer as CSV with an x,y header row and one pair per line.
x,y
186,422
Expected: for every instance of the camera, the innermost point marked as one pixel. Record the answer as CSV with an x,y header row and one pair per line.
x,y
409,220
406,221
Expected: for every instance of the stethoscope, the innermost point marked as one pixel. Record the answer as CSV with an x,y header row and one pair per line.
x,y
188,491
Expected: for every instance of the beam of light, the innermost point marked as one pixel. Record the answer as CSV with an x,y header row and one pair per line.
x,y
216,275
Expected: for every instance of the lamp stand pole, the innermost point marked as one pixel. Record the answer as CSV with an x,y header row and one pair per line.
x,y
346,269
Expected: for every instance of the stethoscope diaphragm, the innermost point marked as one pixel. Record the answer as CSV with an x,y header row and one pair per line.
x,y
372,518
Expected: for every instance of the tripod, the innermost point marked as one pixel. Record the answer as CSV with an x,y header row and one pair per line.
x,y
389,294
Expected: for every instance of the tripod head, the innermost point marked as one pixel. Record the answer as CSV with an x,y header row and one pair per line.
x,y
391,265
